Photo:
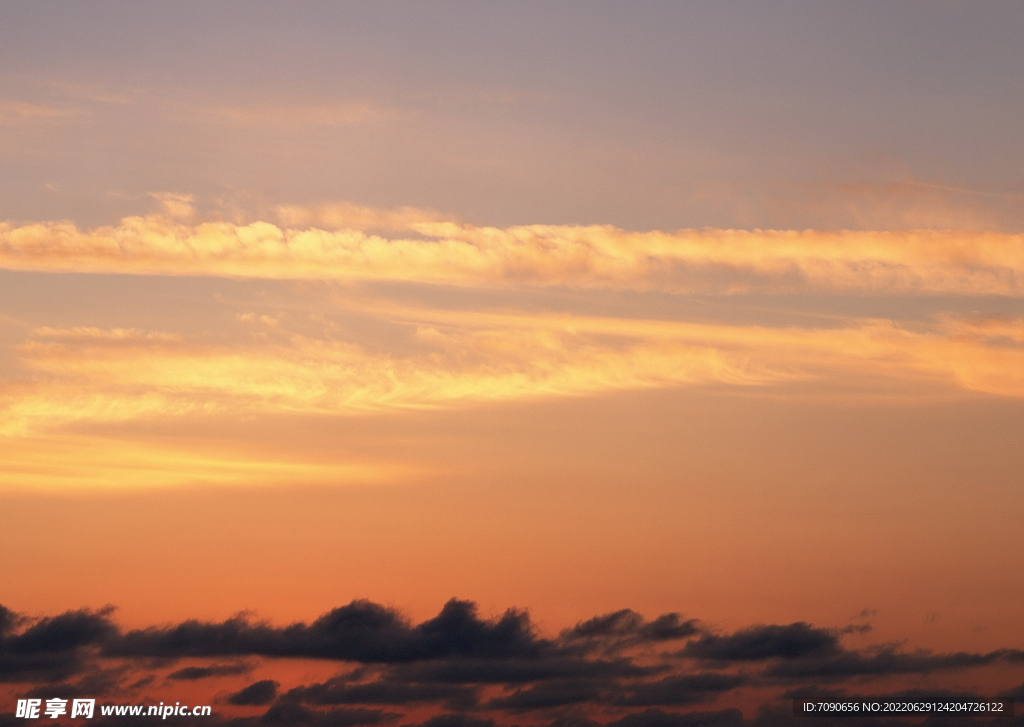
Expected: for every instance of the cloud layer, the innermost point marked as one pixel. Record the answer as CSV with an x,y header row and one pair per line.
x,y
461,668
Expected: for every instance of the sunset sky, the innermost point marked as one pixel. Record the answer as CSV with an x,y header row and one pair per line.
x,y
704,318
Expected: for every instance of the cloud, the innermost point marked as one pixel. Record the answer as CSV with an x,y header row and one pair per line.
x,y
448,252
685,689
261,692
122,375
658,718
339,691
8,621
628,623
455,359
75,461
361,631
550,694
457,720
92,681
884,662
295,714
52,648
82,377
77,384
192,673
906,695
801,651
1016,694
624,628
460,669
757,643
556,666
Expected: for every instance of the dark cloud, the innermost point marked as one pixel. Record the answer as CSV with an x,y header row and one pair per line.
x,y
66,632
551,694
668,626
647,718
795,641
627,627
62,690
1016,694
520,671
261,692
466,669
658,718
192,673
362,631
457,720
288,714
341,691
8,620
684,689
617,623
924,695
143,682
50,649
905,695
882,662
47,667
95,683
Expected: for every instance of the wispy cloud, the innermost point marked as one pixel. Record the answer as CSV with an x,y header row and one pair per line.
x,y
103,463
463,358
120,375
24,113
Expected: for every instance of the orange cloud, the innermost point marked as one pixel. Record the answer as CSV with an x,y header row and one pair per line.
x,y
93,375
112,376
84,384
448,252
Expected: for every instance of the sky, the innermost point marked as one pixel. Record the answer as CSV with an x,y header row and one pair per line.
x,y
479,364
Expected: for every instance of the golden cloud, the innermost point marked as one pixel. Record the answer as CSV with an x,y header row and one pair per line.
x,y
83,385
459,358
92,375
448,252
